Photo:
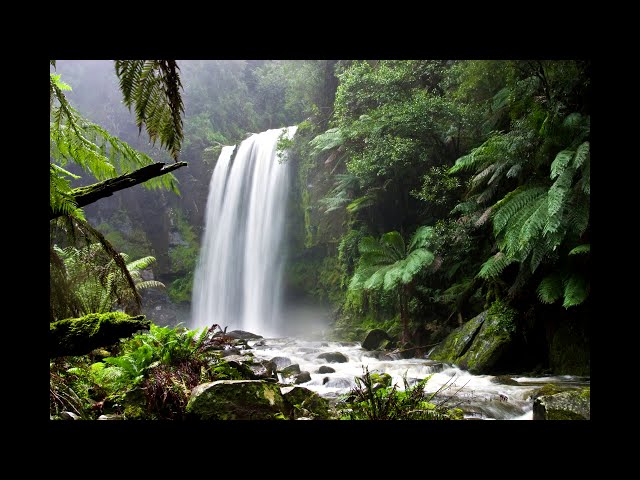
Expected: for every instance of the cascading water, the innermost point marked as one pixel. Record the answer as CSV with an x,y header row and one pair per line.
x,y
237,281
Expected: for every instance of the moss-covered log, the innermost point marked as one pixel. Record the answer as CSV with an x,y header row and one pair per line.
x,y
89,194
79,336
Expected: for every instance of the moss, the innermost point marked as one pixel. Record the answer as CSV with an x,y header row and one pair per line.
x,y
563,415
79,336
236,400
586,393
458,342
383,379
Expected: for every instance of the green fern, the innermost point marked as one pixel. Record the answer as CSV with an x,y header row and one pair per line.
x,y
494,266
581,249
576,291
550,289
152,88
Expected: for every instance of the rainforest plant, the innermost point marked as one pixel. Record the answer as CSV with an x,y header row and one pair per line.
x,y
371,399
391,265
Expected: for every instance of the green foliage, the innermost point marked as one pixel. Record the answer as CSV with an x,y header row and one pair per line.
x,y
183,259
374,399
98,281
152,88
156,371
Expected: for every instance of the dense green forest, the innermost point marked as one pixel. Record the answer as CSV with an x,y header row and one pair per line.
x,y
426,194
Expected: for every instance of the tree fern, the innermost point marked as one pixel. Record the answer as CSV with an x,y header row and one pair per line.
x,y
386,264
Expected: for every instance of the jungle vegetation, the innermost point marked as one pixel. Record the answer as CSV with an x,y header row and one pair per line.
x,y
426,191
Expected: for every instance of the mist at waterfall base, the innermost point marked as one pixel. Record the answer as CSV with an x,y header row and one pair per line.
x,y
238,278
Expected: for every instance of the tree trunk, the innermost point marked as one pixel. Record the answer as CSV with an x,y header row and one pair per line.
x,y
404,316
86,195
79,336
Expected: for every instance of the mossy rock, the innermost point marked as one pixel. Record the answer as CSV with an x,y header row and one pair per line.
x,y
382,379
374,339
569,405
458,341
334,357
302,402
290,371
504,380
236,400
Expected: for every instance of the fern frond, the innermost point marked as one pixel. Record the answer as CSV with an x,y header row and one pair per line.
x,y
494,266
149,284
152,88
560,163
360,203
141,263
576,291
332,138
550,289
512,203
395,242
582,154
581,249
421,238
414,263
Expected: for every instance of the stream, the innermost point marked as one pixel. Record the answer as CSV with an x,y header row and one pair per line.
x,y
477,395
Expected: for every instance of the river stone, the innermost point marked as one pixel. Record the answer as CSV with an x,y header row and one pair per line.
x,y
504,380
242,335
333,357
236,400
281,362
263,370
572,405
305,403
374,338
458,341
326,369
290,370
302,377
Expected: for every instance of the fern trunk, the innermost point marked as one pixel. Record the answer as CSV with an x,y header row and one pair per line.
x,y
85,195
404,315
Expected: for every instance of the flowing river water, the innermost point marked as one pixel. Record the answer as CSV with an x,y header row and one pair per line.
x,y
477,395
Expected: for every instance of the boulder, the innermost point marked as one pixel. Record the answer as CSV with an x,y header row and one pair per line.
x,y
374,339
458,341
263,370
326,369
333,357
290,371
236,400
304,403
69,416
302,377
111,417
281,362
479,344
242,335
504,380
570,405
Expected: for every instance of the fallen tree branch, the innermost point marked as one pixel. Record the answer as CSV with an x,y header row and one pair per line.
x,y
89,194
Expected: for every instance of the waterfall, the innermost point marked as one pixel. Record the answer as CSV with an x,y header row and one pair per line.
x,y
237,282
